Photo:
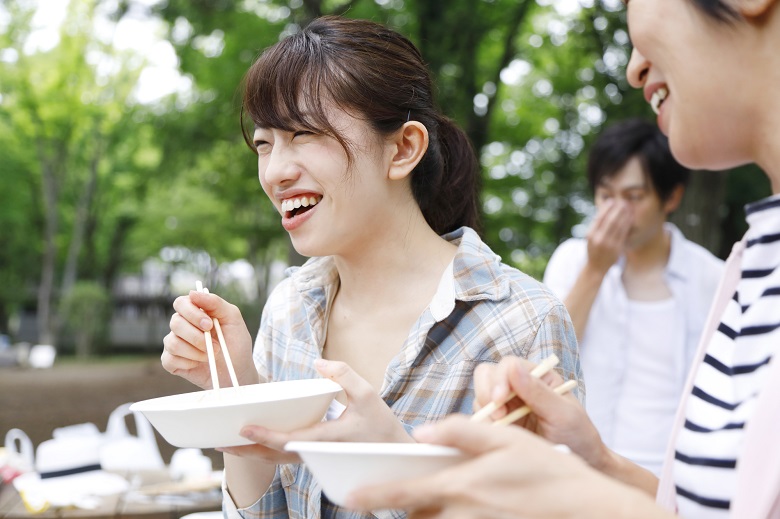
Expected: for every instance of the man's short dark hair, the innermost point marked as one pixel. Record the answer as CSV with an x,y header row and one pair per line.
x,y
621,141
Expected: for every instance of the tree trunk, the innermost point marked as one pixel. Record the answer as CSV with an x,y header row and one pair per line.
x,y
477,126
51,224
116,249
79,226
699,215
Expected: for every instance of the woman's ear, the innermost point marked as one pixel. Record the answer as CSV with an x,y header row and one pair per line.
x,y
753,8
410,143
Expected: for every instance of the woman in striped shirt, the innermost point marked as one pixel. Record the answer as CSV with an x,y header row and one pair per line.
x,y
709,68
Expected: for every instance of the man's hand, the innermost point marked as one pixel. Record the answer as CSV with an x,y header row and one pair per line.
x,y
608,234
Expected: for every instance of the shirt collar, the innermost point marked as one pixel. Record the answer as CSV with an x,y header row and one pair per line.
x,y
762,217
678,264
317,272
478,270
475,273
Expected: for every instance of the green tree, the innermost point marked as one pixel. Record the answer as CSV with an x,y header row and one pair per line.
x,y
69,108
86,314
96,183
529,84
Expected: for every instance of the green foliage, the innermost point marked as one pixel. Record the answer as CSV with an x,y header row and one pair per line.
x,y
70,115
20,220
86,310
83,163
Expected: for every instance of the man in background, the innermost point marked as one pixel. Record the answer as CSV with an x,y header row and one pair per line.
x,y
637,290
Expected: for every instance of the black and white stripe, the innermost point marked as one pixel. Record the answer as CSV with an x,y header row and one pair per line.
x,y
732,374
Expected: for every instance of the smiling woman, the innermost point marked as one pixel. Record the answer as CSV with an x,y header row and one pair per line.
x,y
401,299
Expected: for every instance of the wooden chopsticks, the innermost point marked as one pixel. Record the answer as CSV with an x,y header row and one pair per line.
x,y
522,411
540,370
210,348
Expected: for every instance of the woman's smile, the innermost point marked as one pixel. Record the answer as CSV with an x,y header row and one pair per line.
x,y
297,210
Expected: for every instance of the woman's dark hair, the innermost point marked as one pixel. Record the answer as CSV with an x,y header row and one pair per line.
x,y
717,9
377,75
636,137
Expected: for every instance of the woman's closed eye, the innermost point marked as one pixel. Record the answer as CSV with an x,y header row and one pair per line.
x,y
264,146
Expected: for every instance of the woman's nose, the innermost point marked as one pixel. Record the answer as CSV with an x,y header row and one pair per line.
x,y
278,167
637,69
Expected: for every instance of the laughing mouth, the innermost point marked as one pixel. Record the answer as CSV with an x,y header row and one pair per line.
x,y
658,98
292,207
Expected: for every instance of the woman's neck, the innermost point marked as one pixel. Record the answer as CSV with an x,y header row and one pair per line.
x,y
767,113
395,266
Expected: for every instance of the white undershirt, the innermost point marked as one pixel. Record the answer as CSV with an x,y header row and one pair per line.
x,y
647,403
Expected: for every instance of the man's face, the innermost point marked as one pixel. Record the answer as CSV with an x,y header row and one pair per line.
x,y
631,186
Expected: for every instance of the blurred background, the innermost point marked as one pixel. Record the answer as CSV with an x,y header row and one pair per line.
x,y
124,176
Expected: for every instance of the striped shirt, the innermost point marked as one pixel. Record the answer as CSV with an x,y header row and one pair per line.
x,y
732,374
483,310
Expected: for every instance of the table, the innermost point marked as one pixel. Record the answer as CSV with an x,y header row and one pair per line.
x,y
165,501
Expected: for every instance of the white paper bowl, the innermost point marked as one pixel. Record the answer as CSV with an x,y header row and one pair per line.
x,y
341,467
214,418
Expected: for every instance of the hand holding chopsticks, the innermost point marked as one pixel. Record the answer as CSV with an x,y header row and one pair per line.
x,y
210,348
521,412
540,370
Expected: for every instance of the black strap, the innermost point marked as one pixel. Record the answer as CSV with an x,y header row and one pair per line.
x,y
69,472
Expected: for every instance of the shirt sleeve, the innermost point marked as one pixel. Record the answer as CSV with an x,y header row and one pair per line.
x,y
273,504
555,335
564,266
262,351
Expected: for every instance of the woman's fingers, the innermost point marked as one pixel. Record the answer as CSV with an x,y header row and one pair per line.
x,y
537,393
356,387
262,453
474,439
189,309
194,317
185,340
447,489
214,307
179,355
421,494
492,383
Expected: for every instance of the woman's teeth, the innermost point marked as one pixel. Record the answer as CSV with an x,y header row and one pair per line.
x,y
657,99
295,203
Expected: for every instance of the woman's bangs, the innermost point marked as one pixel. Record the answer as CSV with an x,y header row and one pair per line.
x,y
283,92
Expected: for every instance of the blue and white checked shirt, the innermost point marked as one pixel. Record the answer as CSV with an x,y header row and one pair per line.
x,y
483,310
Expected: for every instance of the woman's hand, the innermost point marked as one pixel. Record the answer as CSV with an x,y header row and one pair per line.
x,y
511,473
367,418
561,419
184,351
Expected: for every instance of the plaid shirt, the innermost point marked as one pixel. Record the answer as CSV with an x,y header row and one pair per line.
x,y
483,310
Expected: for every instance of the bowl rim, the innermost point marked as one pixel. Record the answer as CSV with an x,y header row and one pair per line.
x,y
150,405
373,449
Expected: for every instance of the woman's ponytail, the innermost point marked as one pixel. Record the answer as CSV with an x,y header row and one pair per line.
x,y
446,183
